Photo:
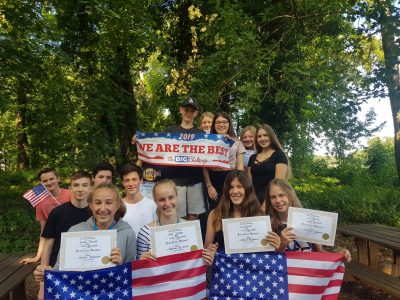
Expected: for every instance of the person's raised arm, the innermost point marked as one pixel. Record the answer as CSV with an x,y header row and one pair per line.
x,y
47,248
240,162
212,192
281,170
210,232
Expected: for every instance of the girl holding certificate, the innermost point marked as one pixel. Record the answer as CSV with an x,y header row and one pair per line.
x,y
214,177
279,197
165,195
238,201
107,209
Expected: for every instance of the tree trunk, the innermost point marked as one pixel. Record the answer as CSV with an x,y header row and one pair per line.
x,y
392,80
22,139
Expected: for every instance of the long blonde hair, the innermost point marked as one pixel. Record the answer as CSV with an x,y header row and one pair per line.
x,y
284,185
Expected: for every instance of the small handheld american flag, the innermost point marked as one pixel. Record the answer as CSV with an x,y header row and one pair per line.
x,y
37,194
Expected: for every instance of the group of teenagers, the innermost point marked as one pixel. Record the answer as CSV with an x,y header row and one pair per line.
x,y
255,185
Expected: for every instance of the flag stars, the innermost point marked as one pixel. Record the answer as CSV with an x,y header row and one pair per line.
x,y
72,282
247,282
254,289
57,282
49,276
111,274
65,276
254,276
125,282
280,267
125,270
64,288
261,283
87,282
95,276
95,287
49,290
57,296
273,261
125,293
110,295
228,287
274,284
87,293
103,280
80,277
80,287
281,279
72,294
281,290
260,261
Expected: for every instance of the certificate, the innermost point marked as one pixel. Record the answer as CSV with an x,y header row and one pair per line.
x,y
313,225
242,235
146,188
87,250
176,238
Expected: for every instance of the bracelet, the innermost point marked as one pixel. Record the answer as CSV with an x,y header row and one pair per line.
x,y
208,185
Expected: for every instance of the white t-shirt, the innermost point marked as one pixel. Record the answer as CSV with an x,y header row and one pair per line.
x,y
140,214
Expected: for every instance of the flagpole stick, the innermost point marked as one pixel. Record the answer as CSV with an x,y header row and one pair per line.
x,y
51,195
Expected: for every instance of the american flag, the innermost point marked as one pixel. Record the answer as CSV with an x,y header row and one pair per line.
x,y
269,275
37,194
170,277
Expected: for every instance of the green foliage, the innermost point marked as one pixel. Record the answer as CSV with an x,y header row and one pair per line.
x,y
361,187
18,229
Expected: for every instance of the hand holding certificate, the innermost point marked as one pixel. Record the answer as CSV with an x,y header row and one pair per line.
x,y
313,226
87,250
243,235
176,238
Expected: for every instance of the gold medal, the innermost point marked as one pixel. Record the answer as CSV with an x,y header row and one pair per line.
x,y
264,242
105,260
193,248
325,236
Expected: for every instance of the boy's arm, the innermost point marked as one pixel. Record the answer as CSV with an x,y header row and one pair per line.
x,y
47,248
36,258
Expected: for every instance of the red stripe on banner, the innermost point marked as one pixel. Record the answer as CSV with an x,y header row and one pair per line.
x,y
221,161
166,260
310,272
172,276
186,164
323,256
174,294
336,282
306,289
149,157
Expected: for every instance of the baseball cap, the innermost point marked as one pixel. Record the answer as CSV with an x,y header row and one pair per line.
x,y
190,102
